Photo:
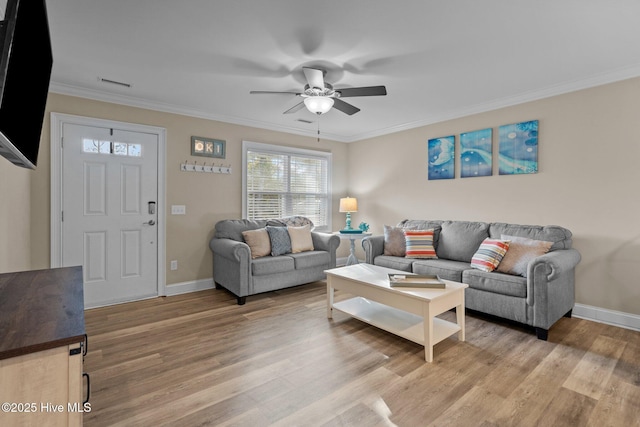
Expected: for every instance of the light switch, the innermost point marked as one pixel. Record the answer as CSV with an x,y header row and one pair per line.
x,y
178,209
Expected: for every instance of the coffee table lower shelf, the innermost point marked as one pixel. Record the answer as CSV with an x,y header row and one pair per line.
x,y
395,321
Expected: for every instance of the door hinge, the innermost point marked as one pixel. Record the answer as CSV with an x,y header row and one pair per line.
x,y
62,216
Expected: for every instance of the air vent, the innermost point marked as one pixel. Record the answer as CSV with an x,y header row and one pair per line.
x,y
113,82
304,121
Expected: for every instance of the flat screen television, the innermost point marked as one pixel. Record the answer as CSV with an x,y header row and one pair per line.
x,y
26,60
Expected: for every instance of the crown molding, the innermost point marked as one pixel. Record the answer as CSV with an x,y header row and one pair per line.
x,y
80,92
533,95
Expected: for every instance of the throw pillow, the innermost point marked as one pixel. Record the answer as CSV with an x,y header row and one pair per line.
x,y
419,244
280,240
394,241
521,251
258,241
301,240
489,254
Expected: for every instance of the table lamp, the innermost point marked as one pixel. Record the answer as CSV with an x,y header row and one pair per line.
x,y
348,205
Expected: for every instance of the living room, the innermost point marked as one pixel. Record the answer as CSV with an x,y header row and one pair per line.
x,y
585,182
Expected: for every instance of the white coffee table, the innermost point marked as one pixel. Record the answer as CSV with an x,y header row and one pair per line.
x,y
407,312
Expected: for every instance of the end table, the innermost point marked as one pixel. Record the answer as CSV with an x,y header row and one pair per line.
x,y
352,237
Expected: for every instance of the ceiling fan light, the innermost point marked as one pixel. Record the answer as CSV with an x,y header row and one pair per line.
x,y
318,104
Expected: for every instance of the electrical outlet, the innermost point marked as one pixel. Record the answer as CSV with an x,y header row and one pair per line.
x,y
174,264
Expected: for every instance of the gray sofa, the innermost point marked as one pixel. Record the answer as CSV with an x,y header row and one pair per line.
x,y
540,299
235,270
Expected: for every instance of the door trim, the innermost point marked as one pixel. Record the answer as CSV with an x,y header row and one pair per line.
x,y
57,122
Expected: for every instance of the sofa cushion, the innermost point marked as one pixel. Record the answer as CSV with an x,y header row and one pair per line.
x,y
521,251
489,254
497,283
419,224
310,259
443,268
280,240
397,263
233,228
300,238
271,265
419,244
459,240
394,243
258,241
561,237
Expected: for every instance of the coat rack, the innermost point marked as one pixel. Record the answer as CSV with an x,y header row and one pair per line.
x,y
195,167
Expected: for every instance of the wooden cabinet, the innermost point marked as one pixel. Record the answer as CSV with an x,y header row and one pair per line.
x,y
42,341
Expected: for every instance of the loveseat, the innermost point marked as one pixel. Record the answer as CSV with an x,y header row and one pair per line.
x,y
533,284
251,257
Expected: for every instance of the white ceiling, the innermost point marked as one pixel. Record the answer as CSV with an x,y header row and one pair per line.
x,y
438,59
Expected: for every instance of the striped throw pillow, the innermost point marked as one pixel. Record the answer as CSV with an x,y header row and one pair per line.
x,y
489,254
419,244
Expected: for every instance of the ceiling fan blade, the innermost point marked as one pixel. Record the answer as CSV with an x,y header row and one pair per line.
x,y
315,77
295,108
262,92
349,109
362,91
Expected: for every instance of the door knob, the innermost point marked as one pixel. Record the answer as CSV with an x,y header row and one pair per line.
x,y
150,222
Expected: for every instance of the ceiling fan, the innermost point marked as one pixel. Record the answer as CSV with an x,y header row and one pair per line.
x,y
319,96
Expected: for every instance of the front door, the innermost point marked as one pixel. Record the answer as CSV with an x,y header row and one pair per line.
x,y
109,211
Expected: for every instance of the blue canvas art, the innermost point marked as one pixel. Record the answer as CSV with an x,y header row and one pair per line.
x,y
476,153
518,150
441,153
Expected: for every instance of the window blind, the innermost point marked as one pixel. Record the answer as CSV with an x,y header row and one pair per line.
x,y
284,183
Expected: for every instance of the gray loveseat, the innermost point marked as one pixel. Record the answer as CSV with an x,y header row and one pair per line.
x,y
539,297
236,270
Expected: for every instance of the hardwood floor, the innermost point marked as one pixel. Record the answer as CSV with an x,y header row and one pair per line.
x,y
201,360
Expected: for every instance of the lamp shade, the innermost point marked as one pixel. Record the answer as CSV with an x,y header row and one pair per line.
x,y
318,104
349,204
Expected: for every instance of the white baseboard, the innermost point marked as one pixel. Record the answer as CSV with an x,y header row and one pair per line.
x,y
186,287
609,317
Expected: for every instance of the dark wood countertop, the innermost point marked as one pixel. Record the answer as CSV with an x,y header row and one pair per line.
x,y
40,309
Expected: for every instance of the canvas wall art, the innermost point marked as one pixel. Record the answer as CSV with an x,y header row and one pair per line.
x,y
518,148
441,152
476,153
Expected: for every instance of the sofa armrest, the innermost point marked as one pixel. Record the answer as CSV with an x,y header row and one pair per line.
x,y
555,263
326,242
232,266
230,249
373,246
551,285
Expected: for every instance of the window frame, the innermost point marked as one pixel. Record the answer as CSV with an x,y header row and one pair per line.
x,y
285,150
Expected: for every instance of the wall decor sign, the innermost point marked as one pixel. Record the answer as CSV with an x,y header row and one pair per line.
x,y
207,147
518,148
441,152
476,153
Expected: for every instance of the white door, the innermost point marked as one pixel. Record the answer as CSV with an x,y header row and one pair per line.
x,y
109,212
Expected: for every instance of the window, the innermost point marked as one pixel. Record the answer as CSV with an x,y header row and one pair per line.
x,y
108,147
282,181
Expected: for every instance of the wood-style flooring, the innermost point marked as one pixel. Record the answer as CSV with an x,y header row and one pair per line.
x,y
201,360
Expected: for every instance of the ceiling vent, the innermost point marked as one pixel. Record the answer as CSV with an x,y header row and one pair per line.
x,y
113,82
